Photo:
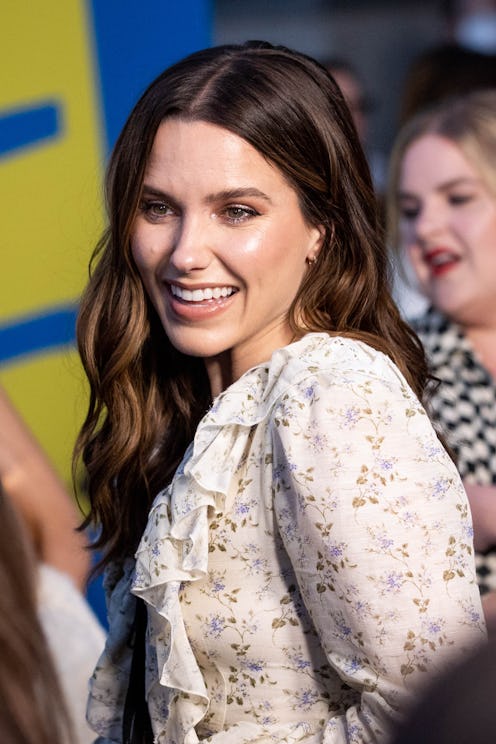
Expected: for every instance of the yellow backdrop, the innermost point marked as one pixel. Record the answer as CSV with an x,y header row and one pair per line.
x,y
51,213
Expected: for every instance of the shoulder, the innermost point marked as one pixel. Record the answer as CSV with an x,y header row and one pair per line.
x,y
336,373
317,362
333,360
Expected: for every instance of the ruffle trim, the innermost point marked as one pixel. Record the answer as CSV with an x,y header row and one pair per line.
x,y
174,547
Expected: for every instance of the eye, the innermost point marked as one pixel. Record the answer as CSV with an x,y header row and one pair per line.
x,y
155,210
459,199
409,212
237,213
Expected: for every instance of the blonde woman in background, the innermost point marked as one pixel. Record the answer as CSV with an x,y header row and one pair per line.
x,y
442,214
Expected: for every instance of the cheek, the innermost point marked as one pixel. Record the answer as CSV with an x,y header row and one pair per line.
x,y
141,253
479,233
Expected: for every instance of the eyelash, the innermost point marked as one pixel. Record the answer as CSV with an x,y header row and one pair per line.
x,y
157,210
247,213
409,214
457,199
454,200
148,207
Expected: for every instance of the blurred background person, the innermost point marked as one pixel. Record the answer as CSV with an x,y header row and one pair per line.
x,y
51,518
442,213
464,61
360,105
32,707
49,512
458,708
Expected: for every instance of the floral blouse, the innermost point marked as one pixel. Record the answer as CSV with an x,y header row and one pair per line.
x,y
309,568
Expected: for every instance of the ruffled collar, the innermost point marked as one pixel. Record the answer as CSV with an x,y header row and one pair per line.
x,y
174,547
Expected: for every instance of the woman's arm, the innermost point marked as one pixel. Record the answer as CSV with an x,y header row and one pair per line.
x,y
383,541
40,496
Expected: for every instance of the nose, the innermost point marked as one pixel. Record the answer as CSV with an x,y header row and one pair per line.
x,y
430,221
190,249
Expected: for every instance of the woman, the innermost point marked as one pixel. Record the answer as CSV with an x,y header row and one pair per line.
x,y
442,212
302,539
32,709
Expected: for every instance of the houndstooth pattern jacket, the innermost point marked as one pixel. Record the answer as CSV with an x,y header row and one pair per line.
x,y
463,407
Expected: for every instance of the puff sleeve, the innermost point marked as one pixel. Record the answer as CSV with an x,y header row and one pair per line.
x,y
376,523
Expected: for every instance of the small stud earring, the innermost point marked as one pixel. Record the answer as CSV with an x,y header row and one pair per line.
x,y
311,260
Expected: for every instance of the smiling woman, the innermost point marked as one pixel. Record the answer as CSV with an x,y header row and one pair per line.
x,y
286,542
442,212
206,249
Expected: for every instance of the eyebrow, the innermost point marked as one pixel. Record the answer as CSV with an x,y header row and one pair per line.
x,y
218,196
446,186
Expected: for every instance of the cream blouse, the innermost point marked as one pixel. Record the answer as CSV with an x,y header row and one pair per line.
x,y
309,568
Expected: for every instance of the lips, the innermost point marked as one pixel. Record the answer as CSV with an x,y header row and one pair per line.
x,y
441,260
198,304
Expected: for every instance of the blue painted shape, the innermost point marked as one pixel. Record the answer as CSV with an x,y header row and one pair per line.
x,y
27,126
134,42
50,330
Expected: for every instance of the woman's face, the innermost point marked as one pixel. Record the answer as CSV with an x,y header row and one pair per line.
x,y
221,245
448,227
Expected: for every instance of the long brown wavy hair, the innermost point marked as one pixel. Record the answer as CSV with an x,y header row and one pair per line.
x,y
146,398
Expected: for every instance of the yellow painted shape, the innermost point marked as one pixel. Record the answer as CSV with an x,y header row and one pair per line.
x,y
50,393
51,206
51,193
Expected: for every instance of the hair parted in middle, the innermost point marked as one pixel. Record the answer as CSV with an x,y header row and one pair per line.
x,y
146,397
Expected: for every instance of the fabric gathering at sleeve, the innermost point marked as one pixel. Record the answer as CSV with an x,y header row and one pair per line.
x,y
376,524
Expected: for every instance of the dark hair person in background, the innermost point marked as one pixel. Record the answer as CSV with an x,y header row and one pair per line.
x,y
458,708
464,62
274,504
32,709
353,89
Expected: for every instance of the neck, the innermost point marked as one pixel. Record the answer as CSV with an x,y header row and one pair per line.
x,y
220,373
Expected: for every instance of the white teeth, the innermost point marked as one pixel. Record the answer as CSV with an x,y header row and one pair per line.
x,y
199,295
440,257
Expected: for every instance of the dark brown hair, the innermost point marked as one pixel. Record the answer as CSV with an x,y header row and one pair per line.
x,y
146,398
32,709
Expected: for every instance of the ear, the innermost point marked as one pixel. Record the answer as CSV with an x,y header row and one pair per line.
x,y
315,242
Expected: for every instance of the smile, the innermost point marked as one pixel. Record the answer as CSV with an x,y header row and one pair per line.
x,y
441,260
200,295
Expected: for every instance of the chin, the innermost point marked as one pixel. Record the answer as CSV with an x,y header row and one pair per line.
x,y
200,348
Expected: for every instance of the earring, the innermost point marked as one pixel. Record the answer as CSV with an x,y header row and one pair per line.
x,y
311,260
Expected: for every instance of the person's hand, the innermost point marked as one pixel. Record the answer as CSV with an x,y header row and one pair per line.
x,y
40,497
483,507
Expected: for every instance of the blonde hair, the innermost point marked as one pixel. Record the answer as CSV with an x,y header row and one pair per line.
x,y
467,121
